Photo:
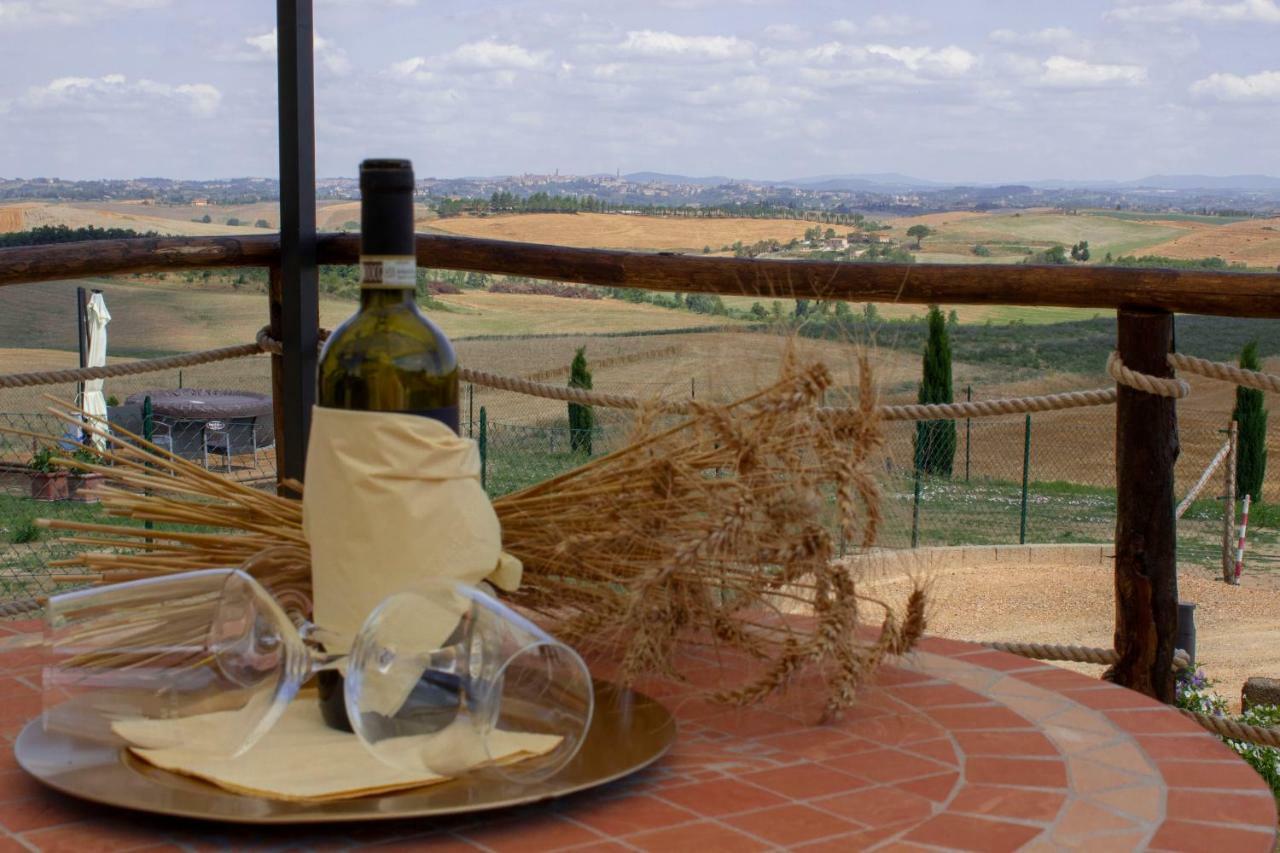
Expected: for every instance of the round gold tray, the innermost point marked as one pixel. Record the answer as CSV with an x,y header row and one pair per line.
x,y
629,731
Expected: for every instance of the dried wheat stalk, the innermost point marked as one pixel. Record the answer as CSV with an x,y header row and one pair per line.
x,y
707,532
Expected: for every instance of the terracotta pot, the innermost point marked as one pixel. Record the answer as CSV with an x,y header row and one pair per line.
x,y
84,487
49,486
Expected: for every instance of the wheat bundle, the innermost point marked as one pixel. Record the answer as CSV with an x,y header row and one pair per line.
x,y
715,530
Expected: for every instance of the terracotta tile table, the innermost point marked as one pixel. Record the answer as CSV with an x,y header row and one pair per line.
x,y
961,747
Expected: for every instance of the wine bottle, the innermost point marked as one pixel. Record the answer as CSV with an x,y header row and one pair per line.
x,y
387,357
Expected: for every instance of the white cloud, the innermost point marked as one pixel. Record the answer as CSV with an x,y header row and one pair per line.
x,y
895,25
785,33
1048,35
1068,73
33,13
490,55
947,62
327,54
1236,11
115,90
1263,86
652,44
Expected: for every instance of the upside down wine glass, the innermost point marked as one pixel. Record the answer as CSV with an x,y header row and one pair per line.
x,y
137,659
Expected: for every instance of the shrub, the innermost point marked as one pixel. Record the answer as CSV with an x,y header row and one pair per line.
x,y
581,418
24,531
231,220
43,460
1251,416
935,441
1194,692
262,223
981,251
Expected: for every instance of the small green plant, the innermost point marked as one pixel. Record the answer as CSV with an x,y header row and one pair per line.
x,y
1251,416
24,531
1194,692
44,461
581,418
113,400
87,456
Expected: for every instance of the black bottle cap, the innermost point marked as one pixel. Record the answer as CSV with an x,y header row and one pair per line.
x,y
386,207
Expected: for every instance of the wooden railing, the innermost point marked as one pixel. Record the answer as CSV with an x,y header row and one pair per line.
x,y
1146,425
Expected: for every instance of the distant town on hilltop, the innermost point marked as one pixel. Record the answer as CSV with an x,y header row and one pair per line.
x,y
1249,195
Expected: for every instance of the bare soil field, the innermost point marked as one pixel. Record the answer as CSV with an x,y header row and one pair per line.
x,y
620,231
1236,631
1255,242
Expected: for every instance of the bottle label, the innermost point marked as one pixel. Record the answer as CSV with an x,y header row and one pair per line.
x,y
390,272
447,415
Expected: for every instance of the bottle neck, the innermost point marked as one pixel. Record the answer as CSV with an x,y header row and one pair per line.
x,y
384,297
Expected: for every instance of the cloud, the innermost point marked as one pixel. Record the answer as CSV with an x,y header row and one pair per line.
x,y
1237,11
1065,72
327,54
652,44
785,33
501,60
112,91
35,13
1048,35
895,25
1263,86
949,61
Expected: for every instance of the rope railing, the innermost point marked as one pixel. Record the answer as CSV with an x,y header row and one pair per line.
x,y
1204,479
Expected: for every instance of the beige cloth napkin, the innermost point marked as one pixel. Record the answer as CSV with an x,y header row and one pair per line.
x,y
304,760
391,499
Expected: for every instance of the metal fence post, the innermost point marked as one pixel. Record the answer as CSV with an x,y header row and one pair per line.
x,y
968,396
484,447
471,408
915,511
1229,508
148,430
1026,465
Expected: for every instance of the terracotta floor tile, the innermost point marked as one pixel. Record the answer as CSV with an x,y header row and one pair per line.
x,y
1151,722
625,815
1004,801
1080,719
1141,803
1001,660
1209,774
789,825
1257,808
702,837
849,843
899,730
529,834
939,750
1088,777
1030,772
447,843
1123,755
594,847
887,765
895,675
979,717
43,810
18,785
816,743
1111,842
1185,835
804,781
89,837
961,832
937,788
948,647
1005,743
750,723
876,807
935,695
1110,697
722,797
1184,746
1056,678
1083,818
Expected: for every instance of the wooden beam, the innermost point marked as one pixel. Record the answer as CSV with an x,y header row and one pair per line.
x,y
24,264
1146,576
275,308
1226,294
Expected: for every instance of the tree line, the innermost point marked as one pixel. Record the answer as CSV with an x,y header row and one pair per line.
x,y
46,234
542,202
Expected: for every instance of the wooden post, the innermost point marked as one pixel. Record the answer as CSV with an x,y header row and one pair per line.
x,y
1146,578
1229,510
275,303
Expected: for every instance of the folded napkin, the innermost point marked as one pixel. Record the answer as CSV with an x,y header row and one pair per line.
x,y
391,499
303,760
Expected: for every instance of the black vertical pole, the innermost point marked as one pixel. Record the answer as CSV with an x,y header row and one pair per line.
x,y
300,306
968,396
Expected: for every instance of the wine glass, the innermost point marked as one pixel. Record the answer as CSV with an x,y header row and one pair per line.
x,y
208,661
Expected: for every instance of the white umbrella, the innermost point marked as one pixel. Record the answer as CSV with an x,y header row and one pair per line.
x,y
94,403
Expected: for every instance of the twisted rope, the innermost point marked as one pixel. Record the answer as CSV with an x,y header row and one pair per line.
x,y
21,607
1204,479
1225,372
1228,728
1175,388
991,408
1076,654
128,368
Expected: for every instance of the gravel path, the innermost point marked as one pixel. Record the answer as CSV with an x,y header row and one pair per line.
x,y
1237,627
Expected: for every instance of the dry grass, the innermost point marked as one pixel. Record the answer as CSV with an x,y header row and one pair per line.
x,y
12,218
1255,242
620,231
137,217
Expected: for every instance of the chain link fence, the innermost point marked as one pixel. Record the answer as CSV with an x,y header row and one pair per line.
x,y
1045,479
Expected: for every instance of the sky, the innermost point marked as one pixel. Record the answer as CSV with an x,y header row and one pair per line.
x,y
949,90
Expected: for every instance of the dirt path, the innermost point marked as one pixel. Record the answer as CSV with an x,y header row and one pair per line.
x,y
1238,627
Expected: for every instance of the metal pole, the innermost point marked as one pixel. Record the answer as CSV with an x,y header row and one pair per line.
x,y
484,448
82,335
915,511
471,408
1186,639
1229,509
968,396
300,306
148,431
1026,467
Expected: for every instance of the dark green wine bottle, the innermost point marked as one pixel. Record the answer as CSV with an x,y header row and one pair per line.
x,y
388,357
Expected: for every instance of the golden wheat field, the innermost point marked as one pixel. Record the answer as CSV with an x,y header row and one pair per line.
x,y
620,231
1255,242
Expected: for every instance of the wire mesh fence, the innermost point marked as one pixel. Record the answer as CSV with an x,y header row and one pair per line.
x,y
1049,478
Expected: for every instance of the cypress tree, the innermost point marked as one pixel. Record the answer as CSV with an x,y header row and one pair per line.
x,y
1251,417
581,418
935,441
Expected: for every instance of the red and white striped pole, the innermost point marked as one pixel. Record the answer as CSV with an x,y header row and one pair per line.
x,y
1244,527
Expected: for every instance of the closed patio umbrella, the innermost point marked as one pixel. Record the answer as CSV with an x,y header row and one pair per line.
x,y
94,403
